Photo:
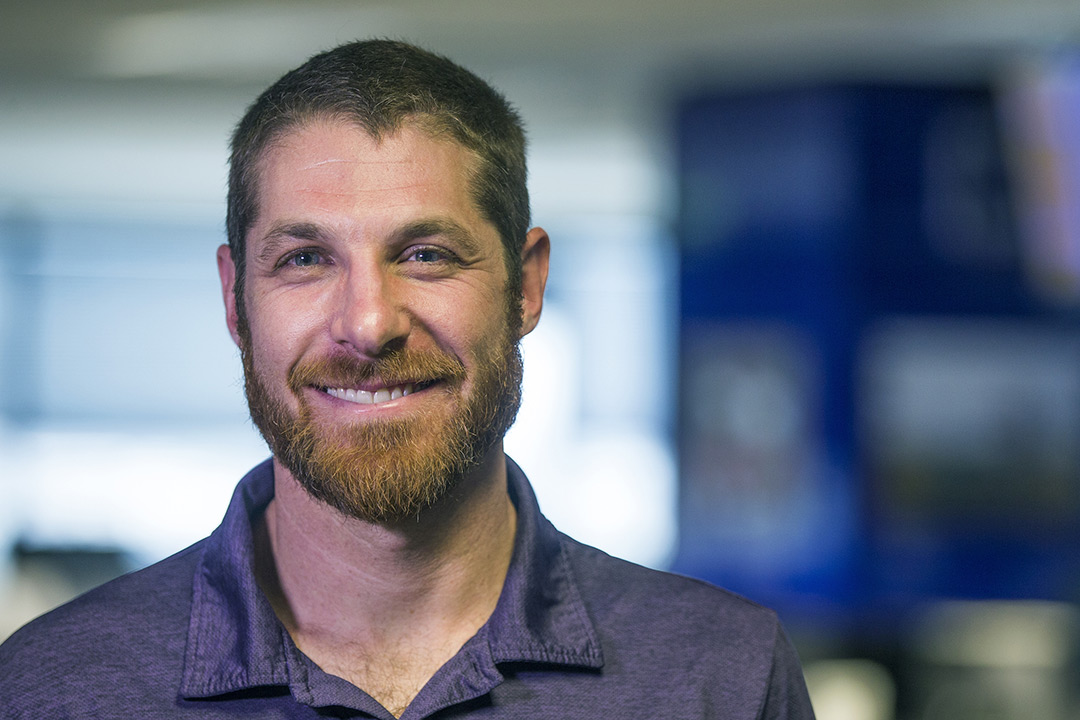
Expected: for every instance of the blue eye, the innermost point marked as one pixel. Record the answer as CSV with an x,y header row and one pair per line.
x,y
305,258
429,255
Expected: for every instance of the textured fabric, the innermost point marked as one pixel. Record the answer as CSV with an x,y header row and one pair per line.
x,y
575,634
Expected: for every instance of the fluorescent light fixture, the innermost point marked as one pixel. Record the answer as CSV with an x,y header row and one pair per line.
x,y
245,42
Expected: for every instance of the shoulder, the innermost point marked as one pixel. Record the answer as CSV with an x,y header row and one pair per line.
x,y
658,629
615,590
117,632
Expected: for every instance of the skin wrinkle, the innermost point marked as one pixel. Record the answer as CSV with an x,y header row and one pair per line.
x,y
353,161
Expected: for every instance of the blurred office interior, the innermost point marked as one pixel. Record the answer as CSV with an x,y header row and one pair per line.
x,y
812,334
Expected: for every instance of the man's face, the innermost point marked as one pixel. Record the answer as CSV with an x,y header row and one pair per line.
x,y
380,348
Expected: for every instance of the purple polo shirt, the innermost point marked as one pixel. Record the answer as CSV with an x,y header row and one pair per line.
x,y
575,634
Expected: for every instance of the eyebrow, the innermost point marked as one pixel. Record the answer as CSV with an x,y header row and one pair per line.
x,y
453,231
279,234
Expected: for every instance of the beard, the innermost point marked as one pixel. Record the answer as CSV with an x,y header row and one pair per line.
x,y
387,470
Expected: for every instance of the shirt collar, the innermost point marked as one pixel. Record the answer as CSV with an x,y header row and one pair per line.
x,y
235,641
540,616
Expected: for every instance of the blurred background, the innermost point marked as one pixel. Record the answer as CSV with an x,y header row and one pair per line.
x,y
812,329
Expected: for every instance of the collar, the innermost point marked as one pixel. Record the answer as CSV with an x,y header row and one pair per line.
x,y
236,643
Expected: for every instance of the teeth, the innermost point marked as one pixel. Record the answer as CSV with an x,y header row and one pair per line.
x,y
366,397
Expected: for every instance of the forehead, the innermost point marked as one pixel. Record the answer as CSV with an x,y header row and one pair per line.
x,y
344,152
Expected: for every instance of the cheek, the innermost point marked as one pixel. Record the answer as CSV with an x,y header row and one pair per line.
x,y
482,338
459,324
281,331
466,311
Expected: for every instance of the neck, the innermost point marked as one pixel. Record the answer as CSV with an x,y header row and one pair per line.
x,y
411,592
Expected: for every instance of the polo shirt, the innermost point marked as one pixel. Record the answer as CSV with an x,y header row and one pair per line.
x,y
576,633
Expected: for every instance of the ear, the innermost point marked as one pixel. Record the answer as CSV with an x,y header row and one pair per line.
x,y
534,272
227,272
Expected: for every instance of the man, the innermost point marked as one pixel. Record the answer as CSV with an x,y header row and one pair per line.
x,y
389,560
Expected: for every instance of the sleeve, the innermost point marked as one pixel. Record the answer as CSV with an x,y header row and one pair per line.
x,y
786,697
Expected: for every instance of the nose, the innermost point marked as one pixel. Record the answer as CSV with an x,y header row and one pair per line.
x,y
371,317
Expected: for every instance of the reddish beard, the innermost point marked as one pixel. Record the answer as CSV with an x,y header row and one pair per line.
x,y
389,470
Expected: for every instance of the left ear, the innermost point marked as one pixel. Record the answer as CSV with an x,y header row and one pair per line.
x,y
534,272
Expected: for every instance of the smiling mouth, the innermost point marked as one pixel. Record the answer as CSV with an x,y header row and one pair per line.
x,y
374,397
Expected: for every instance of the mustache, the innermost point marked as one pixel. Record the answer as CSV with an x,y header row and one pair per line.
x,y
395,367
